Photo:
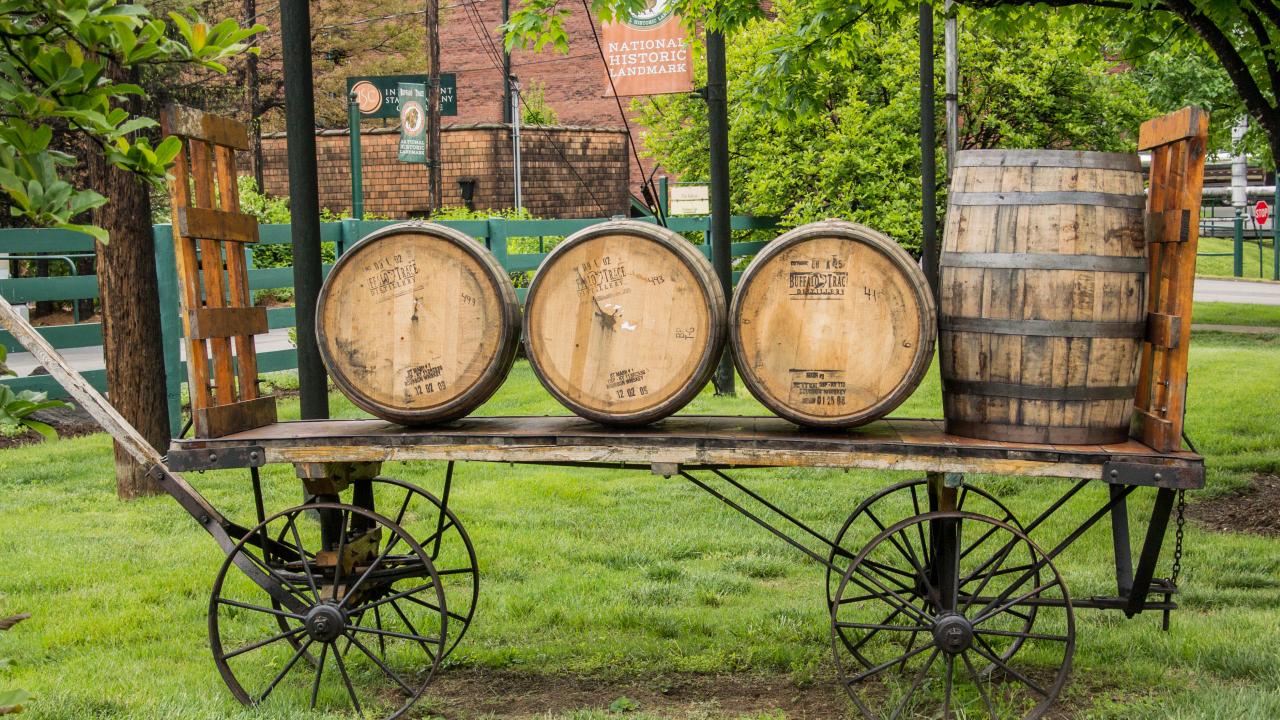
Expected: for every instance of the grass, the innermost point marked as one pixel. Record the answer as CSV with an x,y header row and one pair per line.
x,y
621,574
1220,313
1222,264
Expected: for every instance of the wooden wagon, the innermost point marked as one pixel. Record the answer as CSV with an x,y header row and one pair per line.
x,y
365,588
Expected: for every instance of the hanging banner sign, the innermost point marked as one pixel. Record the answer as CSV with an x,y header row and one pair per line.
x,y
413,122
377,96
647,53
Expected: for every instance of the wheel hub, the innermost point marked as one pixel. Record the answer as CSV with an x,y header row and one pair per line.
x,y
953,633
325,623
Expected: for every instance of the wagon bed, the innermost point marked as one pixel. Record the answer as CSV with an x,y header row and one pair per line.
x,y
918,445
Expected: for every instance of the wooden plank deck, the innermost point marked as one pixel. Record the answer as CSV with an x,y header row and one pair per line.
x,y
689,440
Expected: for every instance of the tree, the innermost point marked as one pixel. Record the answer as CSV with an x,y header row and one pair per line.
x,y
69,69
854,152
1243,35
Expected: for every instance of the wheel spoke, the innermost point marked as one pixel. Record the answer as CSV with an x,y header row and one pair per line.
x,y
987,578
405,619
874,626
315,685
1024,635
986,614
428,605
306,566
394,634
285,671
905,604
920,676
382,641
388,671
342,546
262,643
990,654
403,593
885,665
259,608
346,680
369,570
288,586
977,680
908,554
915,504
946,693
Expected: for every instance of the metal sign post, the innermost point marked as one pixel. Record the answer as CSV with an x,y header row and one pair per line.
x,y
357,167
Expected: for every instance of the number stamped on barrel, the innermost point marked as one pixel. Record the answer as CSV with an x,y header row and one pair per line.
x,y
625,383
597,276
817,278
424,380
818,388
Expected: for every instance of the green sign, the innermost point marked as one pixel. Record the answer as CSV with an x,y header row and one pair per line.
x,y
378,96
413,122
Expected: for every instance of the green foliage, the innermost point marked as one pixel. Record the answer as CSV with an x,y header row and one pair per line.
x,y
536,109
624,704
840,136
11,700
462,213
16,408
266,208
59,70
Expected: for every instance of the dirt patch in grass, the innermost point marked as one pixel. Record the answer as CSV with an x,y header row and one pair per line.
x,y
1254,509
461,694
466,694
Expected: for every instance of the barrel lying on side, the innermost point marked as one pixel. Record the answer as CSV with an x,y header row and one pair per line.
x,y
1042,280
626,322
832,325
418,323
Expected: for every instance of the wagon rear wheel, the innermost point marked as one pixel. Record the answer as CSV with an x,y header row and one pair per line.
x,y
937,638
353,590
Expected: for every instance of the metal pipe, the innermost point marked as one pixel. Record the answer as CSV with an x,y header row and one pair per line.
x,y
928,151
357,166
304,201
721,238
1275,228
952,97
1237,248
514,85
1254,191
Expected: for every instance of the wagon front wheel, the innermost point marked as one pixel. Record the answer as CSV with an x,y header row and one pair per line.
x,y
352,593
925,620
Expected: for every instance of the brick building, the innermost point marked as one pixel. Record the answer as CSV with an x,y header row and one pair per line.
x,y
567,171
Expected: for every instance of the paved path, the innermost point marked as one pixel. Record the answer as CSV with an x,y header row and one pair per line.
x,y
1237,291
90,358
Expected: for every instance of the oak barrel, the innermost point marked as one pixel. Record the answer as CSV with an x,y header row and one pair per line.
x,y
418,323
625,322
1042,279
832,325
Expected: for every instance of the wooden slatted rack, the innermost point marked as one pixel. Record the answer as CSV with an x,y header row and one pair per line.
x,y
1177,144
209,234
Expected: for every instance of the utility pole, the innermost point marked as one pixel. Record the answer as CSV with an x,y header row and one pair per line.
x,y
304,201
928,153
251,96
721,239
506,67
433,105
514,108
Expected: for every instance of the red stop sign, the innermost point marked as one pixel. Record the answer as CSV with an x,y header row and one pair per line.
x,y
1261,212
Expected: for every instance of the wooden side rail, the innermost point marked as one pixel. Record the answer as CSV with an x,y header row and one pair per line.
x,y
1177,144
209,234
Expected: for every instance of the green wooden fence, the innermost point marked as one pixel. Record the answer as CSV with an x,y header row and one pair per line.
x,y
510,241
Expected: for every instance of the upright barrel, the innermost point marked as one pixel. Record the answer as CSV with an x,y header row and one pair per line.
x,y
418,323
625,322
1042,280
832,325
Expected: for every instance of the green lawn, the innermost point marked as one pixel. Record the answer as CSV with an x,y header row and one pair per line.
x,y
621,575
1220,313
1223,265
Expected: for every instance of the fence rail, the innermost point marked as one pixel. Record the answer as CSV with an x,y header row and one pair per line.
x,y
498,234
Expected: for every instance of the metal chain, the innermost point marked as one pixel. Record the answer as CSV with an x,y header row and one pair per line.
x,y
1178,533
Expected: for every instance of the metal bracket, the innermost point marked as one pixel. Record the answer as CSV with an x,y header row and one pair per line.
x,y
243,456
1165,476
664,469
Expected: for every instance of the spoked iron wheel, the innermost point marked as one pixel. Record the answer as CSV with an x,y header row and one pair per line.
x,y
951,615
362,602
440,533
894,504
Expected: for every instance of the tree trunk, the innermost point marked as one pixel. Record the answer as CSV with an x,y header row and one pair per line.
x,y
132,343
